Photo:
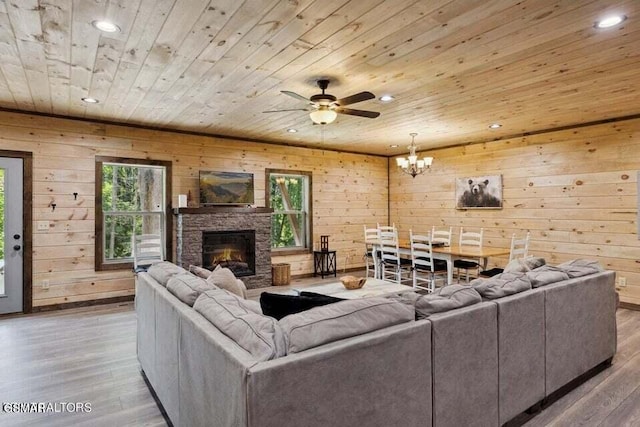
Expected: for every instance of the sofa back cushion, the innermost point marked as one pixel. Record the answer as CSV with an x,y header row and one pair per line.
x,y
545,275
199,271
163,271
188,287
502,285
580,267
522,265
258,334
445,299
279,306
225,279
344,319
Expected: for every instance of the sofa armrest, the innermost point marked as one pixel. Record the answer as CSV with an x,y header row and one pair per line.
x,y
382,378
465,366
213,371
580,326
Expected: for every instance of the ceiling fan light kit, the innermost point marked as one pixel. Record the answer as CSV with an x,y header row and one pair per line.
x,y
323,115
412,165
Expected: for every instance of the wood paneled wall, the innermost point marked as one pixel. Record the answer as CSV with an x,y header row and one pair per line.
x,y
348,191
574,190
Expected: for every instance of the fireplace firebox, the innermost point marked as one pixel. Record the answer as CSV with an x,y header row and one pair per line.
x,y
235,250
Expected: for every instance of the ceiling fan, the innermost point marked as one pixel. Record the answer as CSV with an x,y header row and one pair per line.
x,y
324,108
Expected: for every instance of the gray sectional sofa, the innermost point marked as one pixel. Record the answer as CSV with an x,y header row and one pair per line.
x,y
481,364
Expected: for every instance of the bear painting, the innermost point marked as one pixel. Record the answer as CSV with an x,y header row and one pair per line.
x,y
483,192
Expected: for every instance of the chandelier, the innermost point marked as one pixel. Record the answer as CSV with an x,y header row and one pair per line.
x,y
411,165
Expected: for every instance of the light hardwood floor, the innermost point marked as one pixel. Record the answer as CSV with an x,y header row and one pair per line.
x,y
89,355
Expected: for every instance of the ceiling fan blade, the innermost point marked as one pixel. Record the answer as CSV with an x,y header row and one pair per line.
x,y
295,95
358,97
361,113
282,111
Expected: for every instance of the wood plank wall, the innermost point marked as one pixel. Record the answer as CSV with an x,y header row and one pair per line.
x,y
348,191
574,190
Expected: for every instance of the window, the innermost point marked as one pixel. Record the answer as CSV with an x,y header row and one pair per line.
x,y
131,199
289,195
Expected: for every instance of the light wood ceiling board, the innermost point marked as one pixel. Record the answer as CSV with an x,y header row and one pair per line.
x,y
378,27
12,67
343,17
284,46
452,64
104,70
111,51
261,90
55,16
211,21
238,25
208,89
149,20
379,123
179,23
84,46
35,65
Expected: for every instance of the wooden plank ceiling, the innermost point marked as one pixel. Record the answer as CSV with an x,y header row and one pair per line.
x,y
454,67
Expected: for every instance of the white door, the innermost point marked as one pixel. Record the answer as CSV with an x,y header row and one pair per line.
x,y
11,238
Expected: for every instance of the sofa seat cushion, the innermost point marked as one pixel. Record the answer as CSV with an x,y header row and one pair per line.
x,y
163,271
446,298
502,285
260,335
344,319
225,279
546,275
580,267
279,306
188,287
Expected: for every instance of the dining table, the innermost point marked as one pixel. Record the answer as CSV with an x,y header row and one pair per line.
x,y
449,253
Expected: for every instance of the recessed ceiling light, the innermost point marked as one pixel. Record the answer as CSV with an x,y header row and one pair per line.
x,y
90,100
106,26
393,146
495,126
292,130
386,98
610,21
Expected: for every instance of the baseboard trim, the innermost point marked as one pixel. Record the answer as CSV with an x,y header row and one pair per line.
x,y
629,306
76,304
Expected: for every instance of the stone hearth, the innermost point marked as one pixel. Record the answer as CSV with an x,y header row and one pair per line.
x,y
192,223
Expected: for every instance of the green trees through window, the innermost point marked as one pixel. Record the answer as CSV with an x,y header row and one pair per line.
x,y
289,198
132,204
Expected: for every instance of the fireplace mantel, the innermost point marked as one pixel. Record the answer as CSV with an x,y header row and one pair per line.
x,y
192,223
221,209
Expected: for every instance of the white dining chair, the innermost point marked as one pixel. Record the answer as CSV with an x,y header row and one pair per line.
x,y
519,250
424,268
472,239
392,264
147,250
370,257
442,236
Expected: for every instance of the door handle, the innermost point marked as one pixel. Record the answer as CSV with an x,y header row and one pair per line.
x,y
17,247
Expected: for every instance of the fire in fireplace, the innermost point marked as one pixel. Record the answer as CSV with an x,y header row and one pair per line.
x,y
234,250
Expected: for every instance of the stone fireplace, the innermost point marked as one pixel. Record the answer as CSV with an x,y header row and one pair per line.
x,y
234,237
235,250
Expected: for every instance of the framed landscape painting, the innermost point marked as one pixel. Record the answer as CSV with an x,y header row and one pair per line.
x,y
479,192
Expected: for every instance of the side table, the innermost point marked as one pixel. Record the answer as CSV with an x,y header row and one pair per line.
x,y
324,263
